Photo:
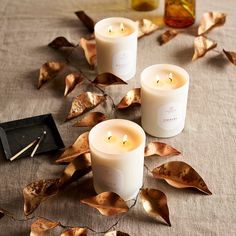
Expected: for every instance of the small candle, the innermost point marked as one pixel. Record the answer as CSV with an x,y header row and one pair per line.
x,y
116,45
117,152
164,92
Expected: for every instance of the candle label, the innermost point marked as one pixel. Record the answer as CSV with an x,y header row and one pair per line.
x,y
122,63
109,178
170,115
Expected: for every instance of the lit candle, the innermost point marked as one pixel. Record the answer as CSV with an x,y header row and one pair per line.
x,y
164,92
117,151
116,45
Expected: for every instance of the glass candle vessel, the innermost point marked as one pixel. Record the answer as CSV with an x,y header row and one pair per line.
x,y
144,5
179,13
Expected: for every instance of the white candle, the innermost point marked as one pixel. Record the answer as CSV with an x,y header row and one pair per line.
x,y
117,152
164,92
116,45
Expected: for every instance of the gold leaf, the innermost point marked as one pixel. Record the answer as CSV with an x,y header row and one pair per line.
x,y
133,97
231,56
87,21
60,42
89,47
160,149
76,231
2,214
107,203
145,27
155,203
201,46
91,119
41,226
48,71
106,79
37,192
167,36
72,80
180,175
76,169
116,233
79,147
210,20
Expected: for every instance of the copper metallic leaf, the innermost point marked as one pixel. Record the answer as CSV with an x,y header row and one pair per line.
x,y
180,175
76,169
210,20
72,80
37,192
60,42
167,36
133,97
87,21
91,119
89,47
116,233
79,147
83,103
155,203
201,46
146,27
107,203
231,56
41,226
76,231
106,79
2,214
48,71
160,149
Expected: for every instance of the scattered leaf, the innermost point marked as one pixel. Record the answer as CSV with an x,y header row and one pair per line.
x,y
133,97
116,233
231,56
76,169
107,203
2,214
37,192
87,21
91,119
60,42
146,27
76,231
48,71
201,46
210,20
72,80
160,149
89,47
83,103
79,147
167,36
180,175
106,79
155,203
41,226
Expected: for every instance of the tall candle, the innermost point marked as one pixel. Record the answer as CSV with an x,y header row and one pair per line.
x,y
117,152
116,45
164,92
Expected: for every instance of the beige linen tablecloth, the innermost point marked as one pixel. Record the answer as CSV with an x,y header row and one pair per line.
x,y
208,142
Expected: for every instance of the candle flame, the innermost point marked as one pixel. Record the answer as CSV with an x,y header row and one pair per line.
x,y
109,29
170,77
122,27
157,78
109,135
125,139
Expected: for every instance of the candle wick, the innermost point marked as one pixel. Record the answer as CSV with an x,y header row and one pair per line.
x,y
109,135
125,139
170,77
158,81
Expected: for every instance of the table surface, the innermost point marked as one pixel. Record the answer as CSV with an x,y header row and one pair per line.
x,y
208,142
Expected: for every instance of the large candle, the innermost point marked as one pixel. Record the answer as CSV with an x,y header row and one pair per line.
x,y
116,45
117,152
164,92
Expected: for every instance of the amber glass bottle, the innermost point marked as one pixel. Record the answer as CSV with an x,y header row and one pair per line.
x,y
144,5
179,13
